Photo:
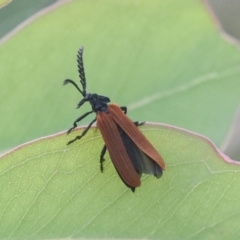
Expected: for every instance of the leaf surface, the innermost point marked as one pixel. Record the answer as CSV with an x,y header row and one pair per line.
x,y
51,190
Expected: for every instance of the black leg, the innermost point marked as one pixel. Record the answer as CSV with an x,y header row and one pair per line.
x,y
102,157
138,123
77,120
124,109
83,133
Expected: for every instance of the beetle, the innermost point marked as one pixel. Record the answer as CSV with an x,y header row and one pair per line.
x,y
130,151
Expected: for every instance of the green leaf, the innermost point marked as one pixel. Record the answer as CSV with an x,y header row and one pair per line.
x,y
51,190
167,63
15,15
165,60
3,3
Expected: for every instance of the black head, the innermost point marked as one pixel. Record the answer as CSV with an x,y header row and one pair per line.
x,y
98,103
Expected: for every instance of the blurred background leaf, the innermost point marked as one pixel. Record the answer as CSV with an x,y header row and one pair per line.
x,y
15,12
3,3
227,15
165,60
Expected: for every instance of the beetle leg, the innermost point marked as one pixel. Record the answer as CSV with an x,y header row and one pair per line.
x,y
102,157
137,123
124,109
77,120
83,133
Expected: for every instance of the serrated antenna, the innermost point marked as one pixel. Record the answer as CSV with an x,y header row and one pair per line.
x,y
81,70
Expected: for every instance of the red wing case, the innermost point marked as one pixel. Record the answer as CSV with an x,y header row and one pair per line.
x,y
117,151
135,134
141,162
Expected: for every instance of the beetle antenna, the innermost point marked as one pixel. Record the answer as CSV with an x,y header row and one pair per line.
x,y
81,70
74,84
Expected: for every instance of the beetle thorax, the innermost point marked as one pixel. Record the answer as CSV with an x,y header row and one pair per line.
x,y
98,102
